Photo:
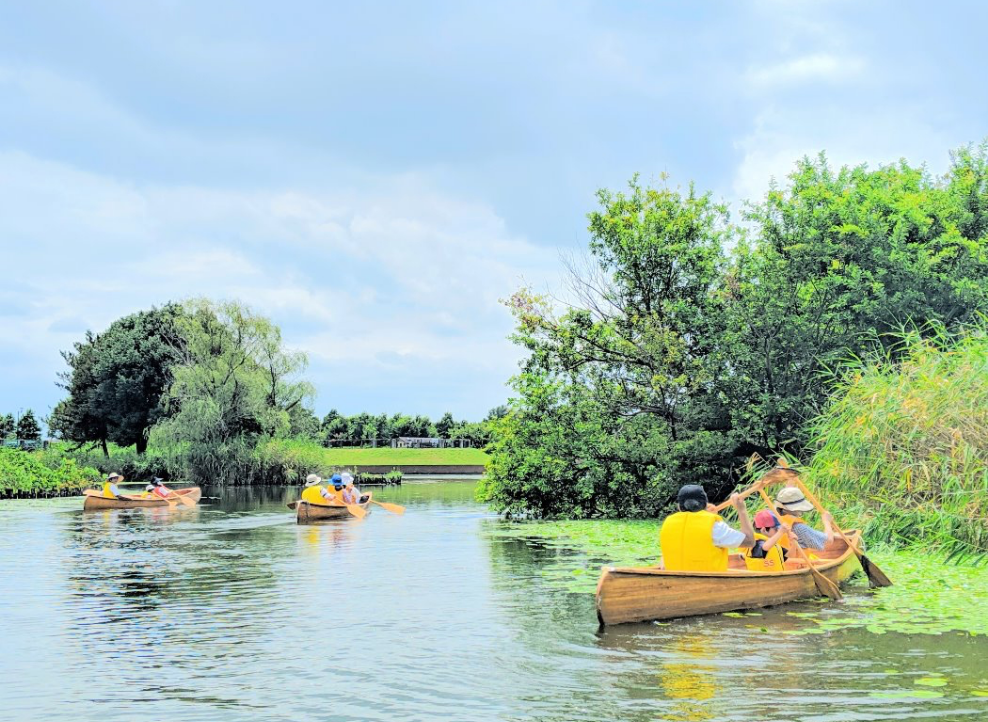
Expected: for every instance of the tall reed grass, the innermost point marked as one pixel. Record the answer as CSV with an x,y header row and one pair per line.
x,y
904,443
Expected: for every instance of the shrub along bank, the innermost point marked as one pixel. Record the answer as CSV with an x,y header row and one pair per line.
x,y
26,474
905,444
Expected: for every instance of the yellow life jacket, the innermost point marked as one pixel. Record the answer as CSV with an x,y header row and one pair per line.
x,y
792,521
313,495
687,543
107,492
771,562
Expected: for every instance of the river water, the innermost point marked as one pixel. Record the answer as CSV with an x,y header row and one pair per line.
x,y
231,611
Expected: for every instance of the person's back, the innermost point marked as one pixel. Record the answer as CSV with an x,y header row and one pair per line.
x,y
697,539
685,539
314,492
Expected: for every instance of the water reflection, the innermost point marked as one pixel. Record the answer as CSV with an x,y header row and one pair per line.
x,y
233,612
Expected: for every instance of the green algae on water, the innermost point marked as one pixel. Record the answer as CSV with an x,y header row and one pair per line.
x,y
928,596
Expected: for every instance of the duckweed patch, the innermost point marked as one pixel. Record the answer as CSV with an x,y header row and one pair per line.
x,y
928,596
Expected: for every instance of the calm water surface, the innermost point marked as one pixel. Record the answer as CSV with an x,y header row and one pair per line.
x,y
232,612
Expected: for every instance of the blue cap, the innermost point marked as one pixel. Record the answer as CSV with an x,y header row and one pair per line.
x,y
337,480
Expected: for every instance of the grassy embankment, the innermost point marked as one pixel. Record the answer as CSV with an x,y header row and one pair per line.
x,y
61,469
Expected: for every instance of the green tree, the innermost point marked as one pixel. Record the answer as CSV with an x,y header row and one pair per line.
x,y
6,426
838,261
615,401
445,425
234,384
28,428
116,380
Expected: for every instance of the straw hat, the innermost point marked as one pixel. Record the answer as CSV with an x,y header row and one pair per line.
x,y
313,480
792,499
113,475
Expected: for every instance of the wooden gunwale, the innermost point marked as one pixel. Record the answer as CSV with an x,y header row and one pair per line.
x,y
96,503
307,512
639,594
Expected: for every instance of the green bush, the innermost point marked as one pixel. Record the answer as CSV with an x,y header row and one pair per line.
x,y
123,460
905,445
27,474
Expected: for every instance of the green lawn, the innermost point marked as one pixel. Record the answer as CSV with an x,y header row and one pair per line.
x,y
398,457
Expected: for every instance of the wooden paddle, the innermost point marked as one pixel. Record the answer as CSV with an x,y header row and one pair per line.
x,y
395,508
876,577
824,585
182,498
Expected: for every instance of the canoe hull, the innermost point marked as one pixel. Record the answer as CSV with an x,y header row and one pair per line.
x,y
307,513
96,503
641,594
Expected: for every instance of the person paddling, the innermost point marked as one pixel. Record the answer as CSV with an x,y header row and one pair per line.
x,y
790,505
157,488
110,488
696,538
768,554
351,494
315,492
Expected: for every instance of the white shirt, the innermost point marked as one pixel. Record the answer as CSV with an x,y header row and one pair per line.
x,y
726,537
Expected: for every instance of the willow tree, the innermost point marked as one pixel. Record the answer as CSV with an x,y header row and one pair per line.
x,y
234,383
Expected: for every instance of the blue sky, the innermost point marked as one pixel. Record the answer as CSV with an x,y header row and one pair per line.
x,y
376,176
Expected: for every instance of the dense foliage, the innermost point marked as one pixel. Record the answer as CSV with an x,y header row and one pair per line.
x,y
906,442
117,380
25,473
337,429
234,384
689,343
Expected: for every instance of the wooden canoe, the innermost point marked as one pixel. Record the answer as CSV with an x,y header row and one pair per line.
x,y
640,594
306,512
95,500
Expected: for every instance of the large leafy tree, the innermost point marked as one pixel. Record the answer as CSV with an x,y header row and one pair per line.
x,y
676,360
6,426
615,400
841,260
234,383
116,380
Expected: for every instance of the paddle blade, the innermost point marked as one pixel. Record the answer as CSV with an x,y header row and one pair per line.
x,y
876,577
186,500
356,511
394,508
92,492
292,504
827,588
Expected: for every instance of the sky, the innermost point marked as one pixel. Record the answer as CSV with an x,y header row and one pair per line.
x,y
376,177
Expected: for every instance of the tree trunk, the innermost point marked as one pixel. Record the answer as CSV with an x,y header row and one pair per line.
x,y
142,444
106,451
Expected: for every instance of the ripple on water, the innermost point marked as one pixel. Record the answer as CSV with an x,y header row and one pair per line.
x,y
232,611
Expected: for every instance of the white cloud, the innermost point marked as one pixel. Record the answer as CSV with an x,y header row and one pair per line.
x,y
360,281
817,67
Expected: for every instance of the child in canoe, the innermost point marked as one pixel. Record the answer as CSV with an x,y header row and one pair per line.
x,y
157,488
768,554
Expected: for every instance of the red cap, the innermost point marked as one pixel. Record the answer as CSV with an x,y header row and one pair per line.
x,y
765,519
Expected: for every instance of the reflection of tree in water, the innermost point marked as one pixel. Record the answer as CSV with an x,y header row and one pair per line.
x,y
146,577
